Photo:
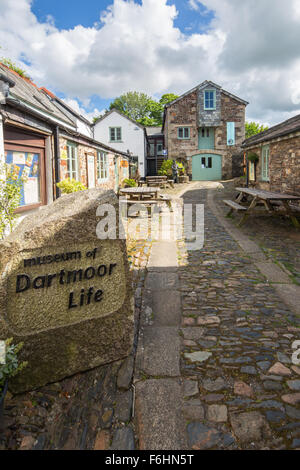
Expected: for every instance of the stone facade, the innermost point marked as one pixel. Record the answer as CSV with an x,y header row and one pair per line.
x,y
188,111
284,166
83,151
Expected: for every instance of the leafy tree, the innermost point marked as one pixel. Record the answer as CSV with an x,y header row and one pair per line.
x,y
133,104
141,107
11,65
253,128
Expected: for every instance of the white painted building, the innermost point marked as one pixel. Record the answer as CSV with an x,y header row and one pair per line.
x,y
123,134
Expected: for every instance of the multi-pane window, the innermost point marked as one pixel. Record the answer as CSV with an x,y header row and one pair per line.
x,y
209,99
115,134
265,154
183,132
72,165
102,166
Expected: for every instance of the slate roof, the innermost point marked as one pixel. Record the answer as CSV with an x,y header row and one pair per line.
x,y
284,128
27,92
152,130
121,114
203,85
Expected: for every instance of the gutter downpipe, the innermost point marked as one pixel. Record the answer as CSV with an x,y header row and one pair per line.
x,y
56,161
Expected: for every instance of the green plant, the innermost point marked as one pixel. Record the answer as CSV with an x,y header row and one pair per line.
x,y
129,182
11,65
68,186
10,196
12,364
252,157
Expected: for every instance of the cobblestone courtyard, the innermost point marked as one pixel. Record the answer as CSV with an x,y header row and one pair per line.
x,y
212,365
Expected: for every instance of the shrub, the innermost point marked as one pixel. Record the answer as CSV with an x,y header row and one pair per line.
x,y
12,365
68,186
166,168
10,196
252,157
128,182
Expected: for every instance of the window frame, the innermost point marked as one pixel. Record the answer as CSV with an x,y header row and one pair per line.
x,y
115,129
265,163
183,136
214,99
102,160
72,146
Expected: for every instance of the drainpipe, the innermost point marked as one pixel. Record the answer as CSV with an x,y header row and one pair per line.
x,y
56,161
247,170
2,159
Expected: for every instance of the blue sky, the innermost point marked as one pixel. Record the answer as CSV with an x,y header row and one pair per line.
x,y
69,13
157,47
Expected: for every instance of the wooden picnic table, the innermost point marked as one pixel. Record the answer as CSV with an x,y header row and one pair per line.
x,y
274,203
139,192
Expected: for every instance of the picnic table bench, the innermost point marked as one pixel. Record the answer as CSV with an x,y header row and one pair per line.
x,y
273,203
137,196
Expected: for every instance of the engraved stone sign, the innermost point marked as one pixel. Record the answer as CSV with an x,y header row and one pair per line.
x,y
64,292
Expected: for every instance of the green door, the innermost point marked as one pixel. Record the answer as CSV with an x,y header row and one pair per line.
x,y
207,167
206,138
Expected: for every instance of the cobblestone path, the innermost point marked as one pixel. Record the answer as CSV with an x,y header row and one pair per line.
x,y
241,390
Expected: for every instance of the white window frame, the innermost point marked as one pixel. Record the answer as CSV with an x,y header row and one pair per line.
x,y
102,166
214,99
72,161
113,134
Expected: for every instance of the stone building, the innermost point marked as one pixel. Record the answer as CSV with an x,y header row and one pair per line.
x,y
46,140
204,129
273,158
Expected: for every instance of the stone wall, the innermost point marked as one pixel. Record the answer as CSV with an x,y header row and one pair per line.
x,y
185,113
82,151
284,166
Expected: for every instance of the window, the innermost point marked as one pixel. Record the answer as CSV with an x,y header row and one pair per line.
x,y
183,132
102,166
210,99
265,154
72,165
115,134
252,171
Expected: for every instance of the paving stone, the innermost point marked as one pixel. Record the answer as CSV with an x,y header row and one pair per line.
x,y
193,412
271,385
296,369
27,443
279,369
125,373
275,416
248,370
124,406
295,444
291,398
212,397
241,388
123,439
250,426
292,412
190,388
213,385
269,404
217,413
264,365
202,437
192,333
283,358
198,356
294,384
102,440
208,320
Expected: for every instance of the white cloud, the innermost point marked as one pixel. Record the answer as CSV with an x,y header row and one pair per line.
x,y
74,104
251,49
